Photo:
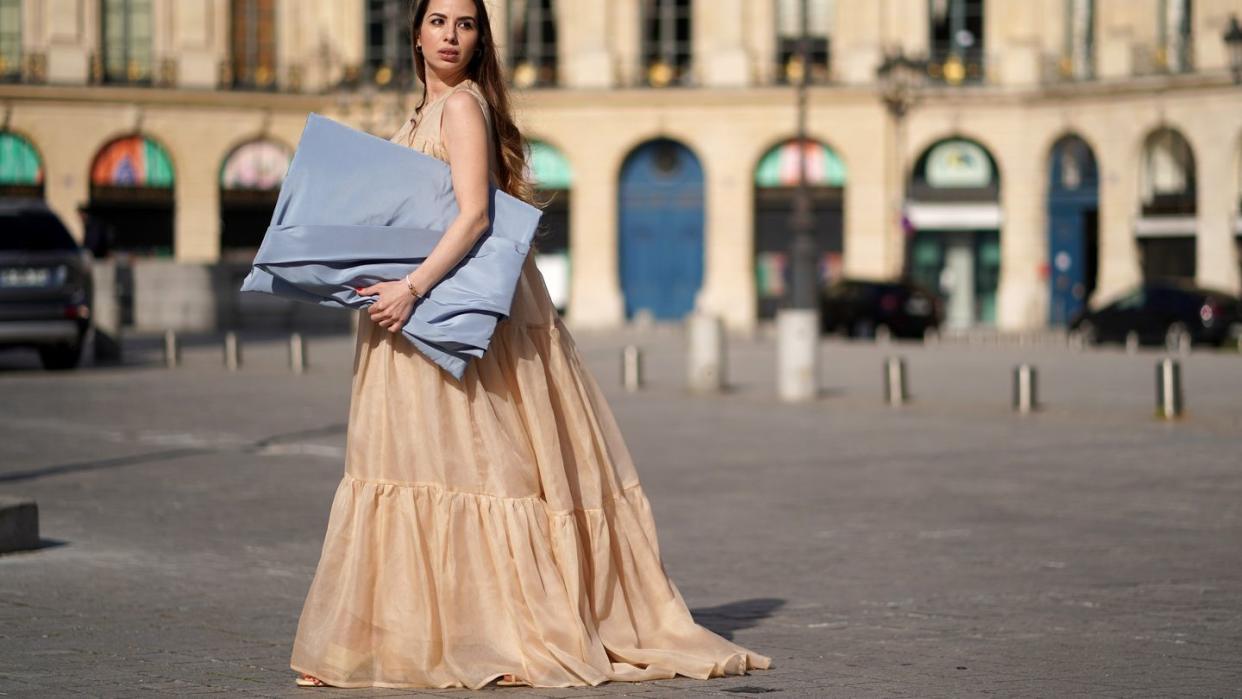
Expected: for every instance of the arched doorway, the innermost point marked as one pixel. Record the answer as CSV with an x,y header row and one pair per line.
x,y
661,229
132,191
776,184
553,178
1073,228
953,208
1168,223
21,168
250,179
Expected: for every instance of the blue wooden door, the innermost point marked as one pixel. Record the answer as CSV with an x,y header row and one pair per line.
x,y
661,229
1073,199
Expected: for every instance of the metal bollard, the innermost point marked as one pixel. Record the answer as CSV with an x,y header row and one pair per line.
x,y
1025,395
631,368
895,381
1168,389
172,350
297,353
232,351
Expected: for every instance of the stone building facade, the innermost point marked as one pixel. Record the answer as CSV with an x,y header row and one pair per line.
x,y
1047,154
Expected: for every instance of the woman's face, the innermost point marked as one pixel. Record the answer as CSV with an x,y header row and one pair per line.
x,y
449,36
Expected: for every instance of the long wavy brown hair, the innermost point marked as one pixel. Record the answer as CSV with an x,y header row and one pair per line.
x,y
484,69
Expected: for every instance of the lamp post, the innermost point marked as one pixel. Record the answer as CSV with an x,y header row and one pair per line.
x,y
900,76
1233,44
797,321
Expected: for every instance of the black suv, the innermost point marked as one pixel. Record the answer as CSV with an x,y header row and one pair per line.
x,y
862,308
45,284
1163,312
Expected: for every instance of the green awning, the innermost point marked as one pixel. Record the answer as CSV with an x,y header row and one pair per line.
x,y
549,167
779,167
19,161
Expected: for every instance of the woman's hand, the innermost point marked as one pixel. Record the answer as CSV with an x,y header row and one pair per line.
x,y
394,305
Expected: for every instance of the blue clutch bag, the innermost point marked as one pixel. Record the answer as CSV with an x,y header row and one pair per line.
x,y
355,209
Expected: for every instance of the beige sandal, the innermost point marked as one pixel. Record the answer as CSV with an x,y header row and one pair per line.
x,y
310,681
508,680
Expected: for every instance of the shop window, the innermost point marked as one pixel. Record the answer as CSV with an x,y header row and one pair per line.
x,y
666,48
253,36
956,41
819,21
1168,175
126,41
532,42
1078,54
1174,52
10,40
389,58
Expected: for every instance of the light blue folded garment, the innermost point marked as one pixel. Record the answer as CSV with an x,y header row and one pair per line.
x,y
356,209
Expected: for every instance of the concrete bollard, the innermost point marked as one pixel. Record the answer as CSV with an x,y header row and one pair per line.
x,y
19,524
1025,395
631,368
797,354
895,393
105,311
172,349
232,351
297,353
706,355
1168,389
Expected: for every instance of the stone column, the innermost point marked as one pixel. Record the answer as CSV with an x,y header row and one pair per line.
x,y
874,190
626,35
67,32
1119,163
196,151
199,41
1011,43
586,57
1022,296
1216,264
856,46
595,286
720,43
728,287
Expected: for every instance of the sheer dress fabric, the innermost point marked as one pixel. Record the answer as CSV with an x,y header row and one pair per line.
x,y
493,526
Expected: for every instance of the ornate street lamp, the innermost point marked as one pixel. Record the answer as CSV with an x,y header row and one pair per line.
x,y
900,77
797,321
1233,43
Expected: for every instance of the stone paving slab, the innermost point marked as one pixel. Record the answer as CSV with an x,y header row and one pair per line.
x,y
949,548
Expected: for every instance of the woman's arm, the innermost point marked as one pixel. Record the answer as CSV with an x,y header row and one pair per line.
x,y
466,140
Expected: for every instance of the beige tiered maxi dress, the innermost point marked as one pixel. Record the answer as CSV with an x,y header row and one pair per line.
x,y
493,526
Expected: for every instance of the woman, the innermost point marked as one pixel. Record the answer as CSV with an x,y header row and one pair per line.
x,y
492,529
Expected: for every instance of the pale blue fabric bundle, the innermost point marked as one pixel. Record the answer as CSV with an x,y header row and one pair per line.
x,y
356,209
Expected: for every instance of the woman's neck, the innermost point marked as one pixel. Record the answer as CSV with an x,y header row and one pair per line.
x,y
437,87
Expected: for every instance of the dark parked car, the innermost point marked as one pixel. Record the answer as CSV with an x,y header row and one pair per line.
x,y
1163,313
45,284
861,308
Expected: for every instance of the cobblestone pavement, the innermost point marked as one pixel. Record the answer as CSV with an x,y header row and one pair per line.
x,y
949,548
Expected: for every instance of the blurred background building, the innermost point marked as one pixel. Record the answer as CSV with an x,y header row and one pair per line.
x,y
1021,157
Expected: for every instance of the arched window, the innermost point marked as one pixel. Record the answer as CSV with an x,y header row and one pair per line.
x,y
667,33
956,41
389,49
10,40
532,42
253,37
1168,175
1175,50
1078,53
126,28
819,20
